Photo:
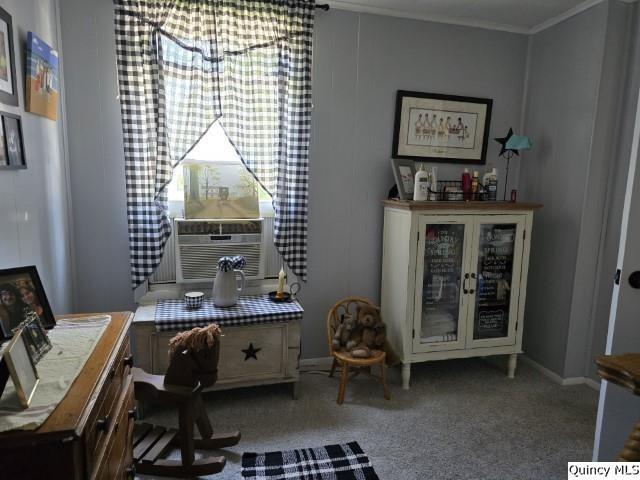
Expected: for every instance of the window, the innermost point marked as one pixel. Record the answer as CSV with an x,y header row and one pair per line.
x,y
217,183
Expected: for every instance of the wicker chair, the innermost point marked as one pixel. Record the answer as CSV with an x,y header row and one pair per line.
x,y
348,306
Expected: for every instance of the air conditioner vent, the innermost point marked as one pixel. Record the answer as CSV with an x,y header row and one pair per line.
x,y
201,243
199,261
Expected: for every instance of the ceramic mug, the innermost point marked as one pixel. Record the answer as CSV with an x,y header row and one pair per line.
x,y
193,300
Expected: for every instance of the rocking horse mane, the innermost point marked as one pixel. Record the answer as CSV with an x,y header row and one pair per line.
x,y
195,340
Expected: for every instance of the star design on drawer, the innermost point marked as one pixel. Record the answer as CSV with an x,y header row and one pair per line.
x,y
250,352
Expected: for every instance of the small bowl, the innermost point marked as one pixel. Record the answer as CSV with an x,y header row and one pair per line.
x,y
193,300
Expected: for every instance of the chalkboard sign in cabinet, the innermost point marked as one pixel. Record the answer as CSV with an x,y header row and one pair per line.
x,y
454,279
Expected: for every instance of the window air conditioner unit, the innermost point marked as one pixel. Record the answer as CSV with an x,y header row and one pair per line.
x,y
201,243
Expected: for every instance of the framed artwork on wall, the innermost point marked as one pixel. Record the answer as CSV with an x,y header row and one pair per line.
x,y
441,128
42,78
12,142
8,90
22,295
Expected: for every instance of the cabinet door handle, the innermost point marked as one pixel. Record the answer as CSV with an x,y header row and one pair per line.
x,y
128,361
464,283
103,424
472,291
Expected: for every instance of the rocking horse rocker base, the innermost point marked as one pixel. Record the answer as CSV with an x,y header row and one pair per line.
x,y
181,387
150,443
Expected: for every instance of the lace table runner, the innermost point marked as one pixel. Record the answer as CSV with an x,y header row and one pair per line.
x,y
73,341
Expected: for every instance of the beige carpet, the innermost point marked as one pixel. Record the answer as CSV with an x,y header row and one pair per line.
x,y
461,419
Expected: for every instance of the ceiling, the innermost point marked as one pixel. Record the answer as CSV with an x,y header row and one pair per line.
x,y
523,16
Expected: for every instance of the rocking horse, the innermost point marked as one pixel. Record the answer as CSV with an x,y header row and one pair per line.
x,y
193,365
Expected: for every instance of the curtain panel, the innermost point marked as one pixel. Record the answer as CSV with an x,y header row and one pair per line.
x,y
185,64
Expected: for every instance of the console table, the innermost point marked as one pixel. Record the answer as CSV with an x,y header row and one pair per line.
x,y
259,347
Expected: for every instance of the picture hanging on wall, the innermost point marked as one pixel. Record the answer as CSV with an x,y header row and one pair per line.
x,y
441,128
42,78
12,156
8,90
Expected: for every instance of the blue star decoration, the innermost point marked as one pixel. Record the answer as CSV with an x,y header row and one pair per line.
x,y
503,145
250,352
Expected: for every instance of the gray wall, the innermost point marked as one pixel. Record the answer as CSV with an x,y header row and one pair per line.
x,y
96,157
617,187
571,109
356,74
360,61
34,221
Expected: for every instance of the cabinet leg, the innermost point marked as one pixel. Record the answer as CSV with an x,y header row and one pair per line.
x,y
511,365
406,375
295,390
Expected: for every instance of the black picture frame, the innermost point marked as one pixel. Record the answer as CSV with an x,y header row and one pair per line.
x,y
12,136
8,98
431,142
15,282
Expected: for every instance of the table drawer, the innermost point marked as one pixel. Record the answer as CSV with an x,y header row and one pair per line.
x,y
103,417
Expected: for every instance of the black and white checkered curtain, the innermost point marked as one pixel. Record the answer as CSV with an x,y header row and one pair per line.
x,y
184,64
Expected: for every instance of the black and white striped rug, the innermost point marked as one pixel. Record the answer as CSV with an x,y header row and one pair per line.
x,y
333,462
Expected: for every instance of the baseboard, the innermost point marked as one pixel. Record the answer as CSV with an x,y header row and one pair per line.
x,y
589,382
320,363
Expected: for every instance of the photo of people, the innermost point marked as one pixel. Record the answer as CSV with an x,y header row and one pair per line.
x,y
42,78
22,297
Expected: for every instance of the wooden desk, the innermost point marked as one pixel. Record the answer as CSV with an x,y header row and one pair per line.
x,y
88,435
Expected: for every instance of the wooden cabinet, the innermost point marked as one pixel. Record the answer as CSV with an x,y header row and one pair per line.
x,y
89,434
454,279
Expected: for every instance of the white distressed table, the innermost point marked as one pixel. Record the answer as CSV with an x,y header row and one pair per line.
x,y
260,350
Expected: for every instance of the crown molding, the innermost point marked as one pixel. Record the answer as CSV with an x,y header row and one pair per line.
x,y
581,7
390,12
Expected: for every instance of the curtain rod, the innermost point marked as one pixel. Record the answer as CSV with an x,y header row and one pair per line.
x,y
323,6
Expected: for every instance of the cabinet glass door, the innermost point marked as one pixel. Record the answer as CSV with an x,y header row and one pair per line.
x,y
441,307
496,266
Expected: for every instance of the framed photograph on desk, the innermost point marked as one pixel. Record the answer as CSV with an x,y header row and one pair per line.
x,y
22,368
21,294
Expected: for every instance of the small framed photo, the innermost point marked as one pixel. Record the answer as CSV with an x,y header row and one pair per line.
x,y
12,155
404,172
21,368
21,295
8,90
36,337
441,128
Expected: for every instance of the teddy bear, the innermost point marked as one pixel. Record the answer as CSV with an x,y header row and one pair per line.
x,y
367,332
343,332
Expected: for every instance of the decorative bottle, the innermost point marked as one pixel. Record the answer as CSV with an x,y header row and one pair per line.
x,y
421,185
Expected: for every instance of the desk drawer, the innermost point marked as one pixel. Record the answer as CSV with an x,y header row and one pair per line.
x,y
103,416
118,454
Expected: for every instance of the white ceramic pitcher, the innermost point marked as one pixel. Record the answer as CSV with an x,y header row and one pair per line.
x,y
226,289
